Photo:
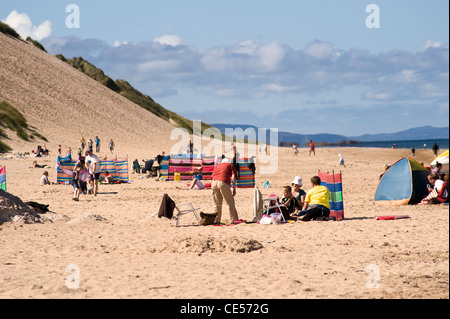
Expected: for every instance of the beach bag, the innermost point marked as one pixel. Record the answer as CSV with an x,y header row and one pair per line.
x,y
207,219
265,220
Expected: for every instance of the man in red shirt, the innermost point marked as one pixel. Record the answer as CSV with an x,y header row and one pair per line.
x,y
222,176
312,148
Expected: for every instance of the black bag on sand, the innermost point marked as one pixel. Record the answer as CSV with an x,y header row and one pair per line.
x,y
207,219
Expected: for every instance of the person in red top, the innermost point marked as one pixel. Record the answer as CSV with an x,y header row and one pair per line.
x,y
312,148
222,177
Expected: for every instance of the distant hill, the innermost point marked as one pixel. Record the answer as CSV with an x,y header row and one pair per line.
x,y
419,133
286,137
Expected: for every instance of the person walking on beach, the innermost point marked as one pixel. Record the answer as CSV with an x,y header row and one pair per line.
x,y
77,183
90,144
111,145
93,165
435,149
224,174
341,160
413,151
83,143
97,144
312,148
295,148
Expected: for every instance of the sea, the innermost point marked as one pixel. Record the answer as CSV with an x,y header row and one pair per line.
x,y
418,144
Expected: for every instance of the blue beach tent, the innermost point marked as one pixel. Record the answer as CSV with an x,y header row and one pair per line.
x,y
403,183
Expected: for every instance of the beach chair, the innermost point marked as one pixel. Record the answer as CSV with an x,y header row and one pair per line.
x,y
267,204
333,182
184,209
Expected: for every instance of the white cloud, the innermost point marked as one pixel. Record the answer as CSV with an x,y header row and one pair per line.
x,y
247,47
322,50
378,96
22,23
274,87
271,55
253,70
432,44
169,39
117,43
406,77
214,60
159,66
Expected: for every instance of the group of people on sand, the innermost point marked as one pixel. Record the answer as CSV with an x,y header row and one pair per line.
x,y
87,169
438,187
435,149
150,167
96,142
86,173
297,204
312,148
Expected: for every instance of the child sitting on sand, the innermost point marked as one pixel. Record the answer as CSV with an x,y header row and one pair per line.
x,y
44,179
109,179
297,190
290,203
136,166
317,201
434,189
198,177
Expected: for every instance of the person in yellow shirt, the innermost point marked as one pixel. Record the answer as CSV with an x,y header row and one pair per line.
x,y
317,202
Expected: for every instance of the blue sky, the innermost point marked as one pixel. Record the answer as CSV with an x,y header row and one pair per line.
x,y
300,66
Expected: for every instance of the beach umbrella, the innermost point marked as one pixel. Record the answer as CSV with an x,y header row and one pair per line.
x,y
443,159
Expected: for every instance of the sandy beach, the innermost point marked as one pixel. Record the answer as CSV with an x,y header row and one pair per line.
x,y
114,246
123,250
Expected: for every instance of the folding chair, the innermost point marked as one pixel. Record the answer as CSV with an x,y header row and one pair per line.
x,y
189,208
267,205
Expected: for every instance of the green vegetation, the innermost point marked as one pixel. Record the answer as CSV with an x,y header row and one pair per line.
x,y
36,44
91,71
6,29
11,118
38,135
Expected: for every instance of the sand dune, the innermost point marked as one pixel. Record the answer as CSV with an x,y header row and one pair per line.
x,y
63,104
113,246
